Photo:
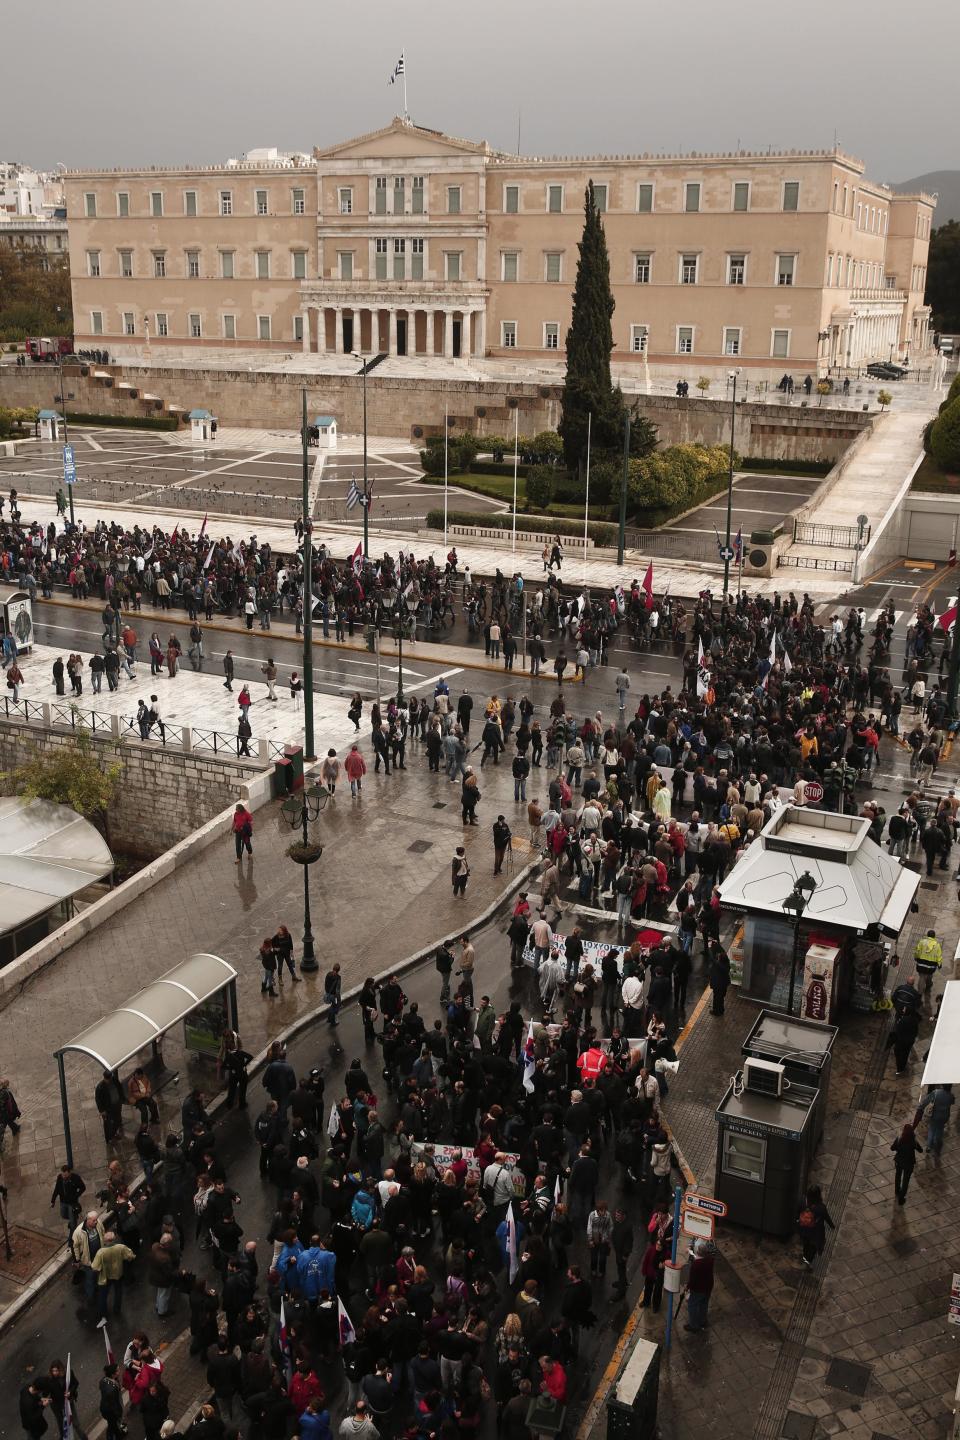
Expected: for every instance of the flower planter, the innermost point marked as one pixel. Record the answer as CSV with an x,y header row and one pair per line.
x,y
304,854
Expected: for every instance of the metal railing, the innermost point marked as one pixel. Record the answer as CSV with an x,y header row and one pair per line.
x,y
834,537
814,562
673,544
124,730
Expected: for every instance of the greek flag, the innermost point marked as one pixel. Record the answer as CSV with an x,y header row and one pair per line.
x,y
354,495
398,70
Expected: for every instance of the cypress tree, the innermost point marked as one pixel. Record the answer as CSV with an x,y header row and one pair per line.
x,y
587,387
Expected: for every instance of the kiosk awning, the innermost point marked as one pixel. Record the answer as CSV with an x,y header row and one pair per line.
x,y
943,1057
150,1012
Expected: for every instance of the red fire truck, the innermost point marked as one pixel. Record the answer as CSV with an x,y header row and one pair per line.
x,y
47,347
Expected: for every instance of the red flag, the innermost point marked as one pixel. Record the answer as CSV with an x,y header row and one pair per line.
x,y
945,620
647,587
951,559
357,561
203,526
173,537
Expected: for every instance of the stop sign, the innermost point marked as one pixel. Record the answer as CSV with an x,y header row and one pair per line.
x,y
813,791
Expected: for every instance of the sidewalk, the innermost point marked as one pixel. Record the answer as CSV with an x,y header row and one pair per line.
x,y
380,893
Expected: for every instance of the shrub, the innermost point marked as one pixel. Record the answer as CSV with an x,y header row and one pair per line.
x,y
945,438
598,531
541,483
125,422
703,384
884,398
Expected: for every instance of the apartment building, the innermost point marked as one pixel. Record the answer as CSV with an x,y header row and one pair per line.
x,y
414,242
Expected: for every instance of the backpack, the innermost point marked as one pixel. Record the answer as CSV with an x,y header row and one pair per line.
x,y
806,1220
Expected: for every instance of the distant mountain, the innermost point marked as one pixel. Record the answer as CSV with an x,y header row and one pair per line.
x,y
947,185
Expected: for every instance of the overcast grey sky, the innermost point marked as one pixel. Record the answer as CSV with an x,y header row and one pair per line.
x,y
199,80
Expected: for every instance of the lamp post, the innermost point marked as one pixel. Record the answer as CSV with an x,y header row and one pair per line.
x,y
66,434
733,421
310,752
298,811
796,904
406,606
366,496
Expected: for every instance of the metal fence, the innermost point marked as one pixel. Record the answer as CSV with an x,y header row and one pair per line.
x,y
124,730
833,537
815,562
673,544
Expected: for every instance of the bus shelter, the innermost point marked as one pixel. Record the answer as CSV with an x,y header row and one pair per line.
x,y
196,991
943,1058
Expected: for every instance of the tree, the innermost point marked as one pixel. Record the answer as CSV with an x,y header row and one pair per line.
x,y
703,384
34,294
541,480
74,774
945,438
884,398
943,276
587,387
824,387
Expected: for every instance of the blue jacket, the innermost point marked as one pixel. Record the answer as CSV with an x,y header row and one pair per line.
x,y
363,1210
315,1272
314,1426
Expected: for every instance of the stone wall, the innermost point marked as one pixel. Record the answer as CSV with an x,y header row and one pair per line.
x,y
403,406
163,797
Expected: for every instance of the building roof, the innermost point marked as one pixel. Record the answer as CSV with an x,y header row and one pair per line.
x,y
324,420
49,415
47,854
199,415
943,1057
858,883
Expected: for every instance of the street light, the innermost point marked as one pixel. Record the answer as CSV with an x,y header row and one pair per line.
x,y
298,811
726,548
366,501
66,435
406,607
796,904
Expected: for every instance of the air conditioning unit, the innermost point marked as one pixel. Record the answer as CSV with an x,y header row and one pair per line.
x,y
763,1077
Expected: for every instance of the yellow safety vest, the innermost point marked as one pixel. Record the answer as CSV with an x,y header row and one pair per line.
x,y
928,953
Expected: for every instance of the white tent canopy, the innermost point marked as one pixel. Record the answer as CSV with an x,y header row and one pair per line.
x,y
943,1057
145,1017
47,853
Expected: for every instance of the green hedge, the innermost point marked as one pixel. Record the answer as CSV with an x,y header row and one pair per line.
x,y
600,533
125,422
491,467
786,467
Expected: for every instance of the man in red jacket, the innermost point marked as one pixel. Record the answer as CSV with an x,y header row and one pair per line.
x,y
355,767
242,830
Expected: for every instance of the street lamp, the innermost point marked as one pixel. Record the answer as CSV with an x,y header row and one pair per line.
x,y
366,501
406,608
66,435
726,548
298,811
796,904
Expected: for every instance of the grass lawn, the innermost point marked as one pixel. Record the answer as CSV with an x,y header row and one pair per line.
x,y
499,487
934,480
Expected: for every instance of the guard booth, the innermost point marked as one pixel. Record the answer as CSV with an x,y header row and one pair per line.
x,y
203,426
767,1134
200,991
50,424
803,1048
16,616
323,433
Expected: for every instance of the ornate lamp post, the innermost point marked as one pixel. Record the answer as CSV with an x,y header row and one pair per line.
x,y
796,904
299,810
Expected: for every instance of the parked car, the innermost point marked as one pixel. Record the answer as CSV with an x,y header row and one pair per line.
x,y
886,370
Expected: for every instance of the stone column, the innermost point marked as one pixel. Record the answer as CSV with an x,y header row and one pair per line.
x,y
430,316
481,345
321,330
357,330
392,340
448,334
305,317
466,346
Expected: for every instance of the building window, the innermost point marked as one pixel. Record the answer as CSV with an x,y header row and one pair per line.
x,y
345,264
416,259
638,338
381,260
260,202
644,199
736,269
93,264
684,339
129,327
551,335
263,327
163,329
90,208
399,195
780,344
156,203
731,342
299,265
453,264
123,204
689,265
691,196
600,198
298,327
96,322
346,200
229,327
159,265
299,208
829,271
263,264
193,264
380,195
836,191
555,199
196,329
226,264
416,195
786,268
190,203
454,197
859,217
226,202
791,194
511,199
508,334
641,269
126,264
845,190
741,195
553,262
399,259
509,266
